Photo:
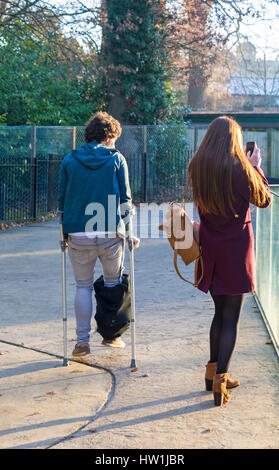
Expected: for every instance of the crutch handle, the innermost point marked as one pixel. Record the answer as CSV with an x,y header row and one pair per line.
x,y
61,226
131,237
62,241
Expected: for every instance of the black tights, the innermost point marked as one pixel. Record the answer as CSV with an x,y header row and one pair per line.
x,y
223,331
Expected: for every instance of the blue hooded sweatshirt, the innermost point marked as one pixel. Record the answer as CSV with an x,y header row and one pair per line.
x,y
94,190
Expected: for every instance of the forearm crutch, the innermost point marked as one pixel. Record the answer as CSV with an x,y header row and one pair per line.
x,y
132,281
64,299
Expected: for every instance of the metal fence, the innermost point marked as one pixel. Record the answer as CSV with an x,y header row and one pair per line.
x,y
267,140
267,253
30,157
157,158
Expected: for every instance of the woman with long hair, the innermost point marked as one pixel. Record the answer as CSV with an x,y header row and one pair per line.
x,y
225,181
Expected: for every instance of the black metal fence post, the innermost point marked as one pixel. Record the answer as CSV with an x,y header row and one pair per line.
x,y
51,196
2,201
144,164
33,174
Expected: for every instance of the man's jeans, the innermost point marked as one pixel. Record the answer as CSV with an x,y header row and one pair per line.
x,y
83,253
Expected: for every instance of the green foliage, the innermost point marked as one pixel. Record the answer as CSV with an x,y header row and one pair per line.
x,y
137,59
39,85
169,154
3,119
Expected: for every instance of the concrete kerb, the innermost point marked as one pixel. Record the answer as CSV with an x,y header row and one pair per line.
x,y
45,410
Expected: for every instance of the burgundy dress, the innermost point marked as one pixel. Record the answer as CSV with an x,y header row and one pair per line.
x,y
228,243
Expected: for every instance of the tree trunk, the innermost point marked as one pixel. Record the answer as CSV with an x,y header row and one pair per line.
x,y
117,104
196,88
199,58
3,7
115,99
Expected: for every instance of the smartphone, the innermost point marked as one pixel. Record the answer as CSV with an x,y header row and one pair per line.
x,y
250,147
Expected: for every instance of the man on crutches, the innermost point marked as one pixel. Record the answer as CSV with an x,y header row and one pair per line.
x,y
93,189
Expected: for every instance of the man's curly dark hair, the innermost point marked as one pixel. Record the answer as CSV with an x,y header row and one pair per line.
x,y
100,127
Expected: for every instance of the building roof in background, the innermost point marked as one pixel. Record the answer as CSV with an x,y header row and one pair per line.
x,y
254,86
245,119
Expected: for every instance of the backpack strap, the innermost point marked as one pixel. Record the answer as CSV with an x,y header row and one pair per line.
x,y
186,189
198,260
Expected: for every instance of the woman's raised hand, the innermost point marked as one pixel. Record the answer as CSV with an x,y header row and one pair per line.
x,y
255,159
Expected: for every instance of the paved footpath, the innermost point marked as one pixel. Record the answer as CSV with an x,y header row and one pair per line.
x,y
101,404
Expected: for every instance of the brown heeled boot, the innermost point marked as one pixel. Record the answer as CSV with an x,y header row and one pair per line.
x,y
210,371
219,387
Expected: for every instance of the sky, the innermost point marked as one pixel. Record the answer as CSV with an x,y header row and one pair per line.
x,y
263,33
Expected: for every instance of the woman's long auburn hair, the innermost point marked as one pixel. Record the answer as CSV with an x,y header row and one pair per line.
x,y
211,167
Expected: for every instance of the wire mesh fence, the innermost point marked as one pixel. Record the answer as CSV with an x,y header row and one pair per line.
x,y
157,158
30,158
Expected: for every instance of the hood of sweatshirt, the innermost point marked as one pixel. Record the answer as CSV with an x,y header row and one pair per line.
x,y
93,155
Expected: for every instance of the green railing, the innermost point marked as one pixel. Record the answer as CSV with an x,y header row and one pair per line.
x,y
267,265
